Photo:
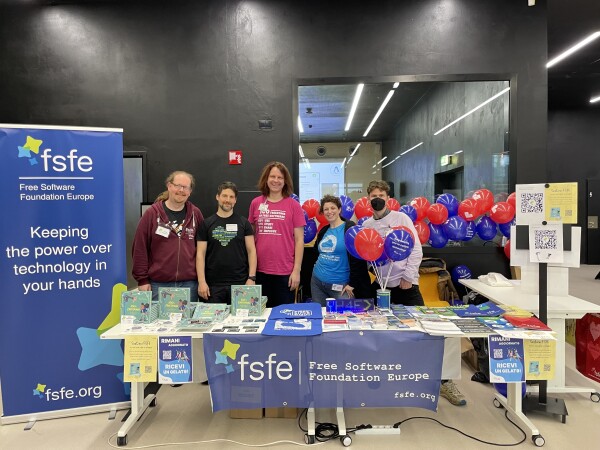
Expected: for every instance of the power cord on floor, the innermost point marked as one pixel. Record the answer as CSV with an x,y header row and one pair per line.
x,y
327,431
397,425
208,441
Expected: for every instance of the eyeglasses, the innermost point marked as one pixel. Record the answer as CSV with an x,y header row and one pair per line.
x,y
181,187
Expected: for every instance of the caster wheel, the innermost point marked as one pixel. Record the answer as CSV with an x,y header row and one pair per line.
x,y
121,440
153,403
496,403
595,397
346,441
538,440
308,439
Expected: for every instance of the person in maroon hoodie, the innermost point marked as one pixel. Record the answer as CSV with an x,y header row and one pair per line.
x,y
164,246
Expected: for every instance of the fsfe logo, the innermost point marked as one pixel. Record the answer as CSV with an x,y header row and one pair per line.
x,y
57,163
42,391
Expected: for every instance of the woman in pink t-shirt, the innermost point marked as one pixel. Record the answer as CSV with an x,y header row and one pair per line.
x,y
278,222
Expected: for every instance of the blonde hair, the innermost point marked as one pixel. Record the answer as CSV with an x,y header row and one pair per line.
x,y
164,196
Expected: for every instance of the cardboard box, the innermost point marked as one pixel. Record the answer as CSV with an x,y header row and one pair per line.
x,y
470,357
256,413
281,413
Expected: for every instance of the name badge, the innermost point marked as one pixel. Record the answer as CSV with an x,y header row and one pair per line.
x,y
162,231
231,227
263,207
337,287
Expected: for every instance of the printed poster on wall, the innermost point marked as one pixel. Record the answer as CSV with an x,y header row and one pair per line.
x,y
174,359
62,266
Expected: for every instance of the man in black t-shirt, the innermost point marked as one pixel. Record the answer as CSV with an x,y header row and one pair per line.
x,y
225,251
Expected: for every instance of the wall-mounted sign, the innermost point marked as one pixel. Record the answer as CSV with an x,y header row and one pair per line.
x,y
235,157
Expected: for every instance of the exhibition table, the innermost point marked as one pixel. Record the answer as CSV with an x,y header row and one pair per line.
x,y
560,308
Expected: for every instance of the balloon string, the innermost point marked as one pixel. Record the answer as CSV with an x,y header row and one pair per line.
x,y
388,275
377,274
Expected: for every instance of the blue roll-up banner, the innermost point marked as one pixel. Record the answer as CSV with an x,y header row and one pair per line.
x,y
62,266
351,369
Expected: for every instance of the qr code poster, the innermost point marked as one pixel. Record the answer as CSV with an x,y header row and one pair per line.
x,y
530,202
546,243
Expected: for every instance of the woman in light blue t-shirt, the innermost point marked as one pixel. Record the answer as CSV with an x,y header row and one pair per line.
x,y
336,273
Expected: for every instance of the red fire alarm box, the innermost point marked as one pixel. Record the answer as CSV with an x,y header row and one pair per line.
x,y
235,156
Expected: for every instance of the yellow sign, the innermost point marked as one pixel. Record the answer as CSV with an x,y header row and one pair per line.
x,y
540,357
561,202
141,355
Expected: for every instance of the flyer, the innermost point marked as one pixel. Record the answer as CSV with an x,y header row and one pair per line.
x,y
506,359
540,359
140,358
175,359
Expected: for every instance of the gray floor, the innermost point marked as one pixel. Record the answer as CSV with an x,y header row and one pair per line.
x,y
183,417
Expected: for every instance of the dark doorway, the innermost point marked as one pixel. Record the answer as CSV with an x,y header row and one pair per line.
x,y
450,182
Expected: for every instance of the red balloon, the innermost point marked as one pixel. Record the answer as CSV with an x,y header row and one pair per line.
x,y
422,230
421,204
512,199
468,209
393,204
485,199
502,212
437,213
368,244
321,219
321,225
507,249
402,227
363,208
311,206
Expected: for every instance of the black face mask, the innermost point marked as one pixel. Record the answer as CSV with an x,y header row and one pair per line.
x,y
377,204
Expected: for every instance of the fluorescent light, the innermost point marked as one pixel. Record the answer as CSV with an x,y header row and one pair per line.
x,y
382,159
300,127
573,49
357,95
348,162
391,162
307,163
354,151
473,110
300,151
381,108
396,84
374,165
595,99
343,162
456,153
412,148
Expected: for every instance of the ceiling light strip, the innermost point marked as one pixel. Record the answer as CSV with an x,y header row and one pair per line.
x,y
473,110
381,108
354,151
391,162
382,159
573,49
300,127
410,149
300,151
357,95
594,99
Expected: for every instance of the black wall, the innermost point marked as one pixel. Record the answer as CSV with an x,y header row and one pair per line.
x,y
573,155
189,80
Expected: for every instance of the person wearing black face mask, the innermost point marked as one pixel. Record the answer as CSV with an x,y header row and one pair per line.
x,y
403,281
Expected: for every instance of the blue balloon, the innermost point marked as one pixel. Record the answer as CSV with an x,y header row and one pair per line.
x,y
486,228
295,197
460,273
310,231
347,207
471,230
437,238
398,244
505,227
362,220
455,228
410,211
450,202
349,240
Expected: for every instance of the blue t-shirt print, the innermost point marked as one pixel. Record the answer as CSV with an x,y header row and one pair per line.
x,y
332,266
